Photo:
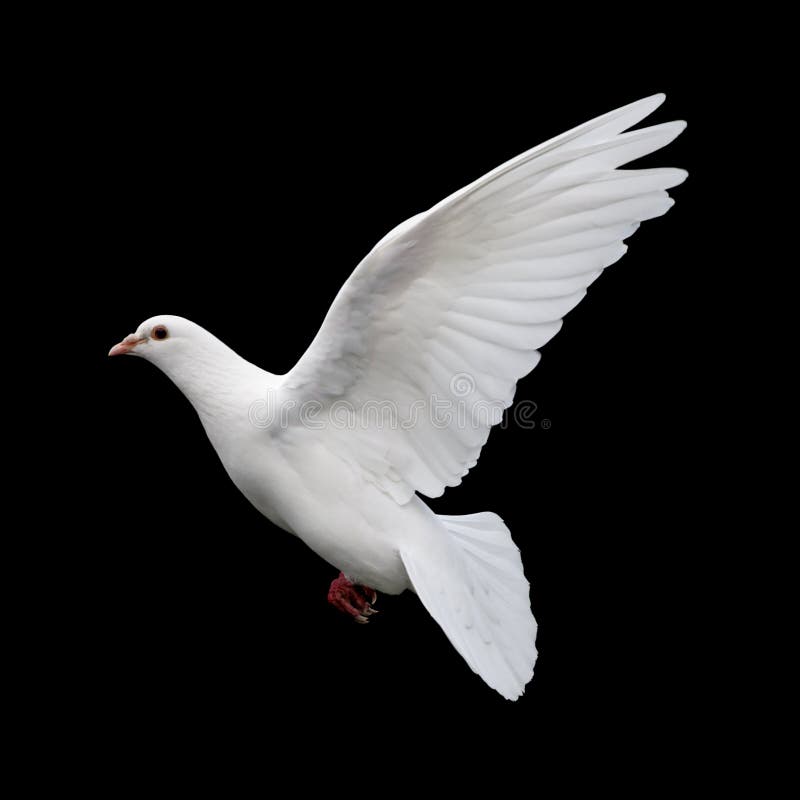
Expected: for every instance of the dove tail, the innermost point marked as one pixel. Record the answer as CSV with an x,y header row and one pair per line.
x,y
479,596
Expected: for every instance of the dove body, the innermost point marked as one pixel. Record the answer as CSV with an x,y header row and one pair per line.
x,y
287,472
453,304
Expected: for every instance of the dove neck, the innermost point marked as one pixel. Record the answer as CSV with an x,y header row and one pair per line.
x,y
216,380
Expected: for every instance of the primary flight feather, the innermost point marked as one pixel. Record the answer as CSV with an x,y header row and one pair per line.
x,y
416,360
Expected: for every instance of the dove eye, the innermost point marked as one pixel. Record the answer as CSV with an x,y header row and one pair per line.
x,y
159,332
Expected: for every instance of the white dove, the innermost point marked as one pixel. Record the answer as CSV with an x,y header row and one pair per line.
x,y
447,310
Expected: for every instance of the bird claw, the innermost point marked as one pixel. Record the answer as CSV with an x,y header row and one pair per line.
x,y
351,598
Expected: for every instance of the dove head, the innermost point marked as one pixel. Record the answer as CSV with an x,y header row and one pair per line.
x,y
194,359
164,339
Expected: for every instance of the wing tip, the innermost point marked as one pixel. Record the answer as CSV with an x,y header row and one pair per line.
x,y
681,175
676,128
669,131
651,102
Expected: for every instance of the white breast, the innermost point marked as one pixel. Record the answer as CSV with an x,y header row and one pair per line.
x,y
302,486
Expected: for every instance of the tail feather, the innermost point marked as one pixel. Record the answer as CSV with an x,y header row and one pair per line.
x,y
478,594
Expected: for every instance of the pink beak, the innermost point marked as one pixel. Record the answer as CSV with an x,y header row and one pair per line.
x,y
125,346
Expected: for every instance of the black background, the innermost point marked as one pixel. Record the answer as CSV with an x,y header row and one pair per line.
x,y
241,193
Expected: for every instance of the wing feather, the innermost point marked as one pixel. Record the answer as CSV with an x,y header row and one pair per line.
x,y
448,310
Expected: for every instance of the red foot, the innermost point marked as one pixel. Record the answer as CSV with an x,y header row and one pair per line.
x,y
352,598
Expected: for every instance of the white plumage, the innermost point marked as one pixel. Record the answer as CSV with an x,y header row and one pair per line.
x,y
449,308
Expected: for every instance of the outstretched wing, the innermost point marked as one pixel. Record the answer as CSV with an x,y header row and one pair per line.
x,y
449,309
